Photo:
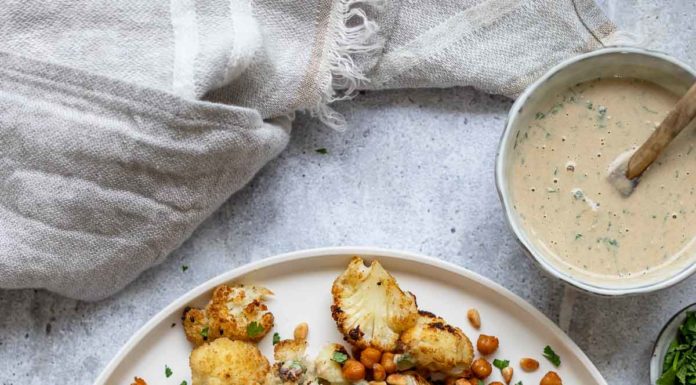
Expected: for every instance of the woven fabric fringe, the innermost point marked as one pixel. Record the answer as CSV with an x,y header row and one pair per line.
x,y
353,33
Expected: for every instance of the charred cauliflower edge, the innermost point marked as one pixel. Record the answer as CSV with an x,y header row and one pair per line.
x,y
369,307
237,312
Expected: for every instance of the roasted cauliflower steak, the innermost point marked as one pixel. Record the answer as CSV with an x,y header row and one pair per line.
x,y
437,346
369,307
237,312
227,362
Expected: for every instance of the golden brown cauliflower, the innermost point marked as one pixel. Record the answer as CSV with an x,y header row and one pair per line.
x,y
291,365
437,346
369,307
327,368
237,312
227,362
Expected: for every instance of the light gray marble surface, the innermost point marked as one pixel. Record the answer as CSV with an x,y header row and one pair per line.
x,y
414,171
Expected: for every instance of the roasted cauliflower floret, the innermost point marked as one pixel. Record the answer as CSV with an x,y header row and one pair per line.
x,y
196,325
437,346
237,312
326,366
291,365
227,362
369,307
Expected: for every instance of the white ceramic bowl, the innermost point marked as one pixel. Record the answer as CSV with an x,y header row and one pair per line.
x,y
608,62
664,339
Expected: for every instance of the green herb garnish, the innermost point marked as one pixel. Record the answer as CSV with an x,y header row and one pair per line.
x,y
480,382
184,267
254,329
519,383
276,338
550,355
539,116
184,382
404,361
578,236
679,366
204,332
322,151
339,357
501,364
167,371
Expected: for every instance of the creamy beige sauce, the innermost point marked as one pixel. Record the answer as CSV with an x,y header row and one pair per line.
x,y
559,180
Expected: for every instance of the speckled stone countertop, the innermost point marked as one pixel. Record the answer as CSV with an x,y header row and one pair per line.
x,y
413,171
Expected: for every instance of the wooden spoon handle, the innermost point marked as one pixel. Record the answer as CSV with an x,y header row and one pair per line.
x,y
682,114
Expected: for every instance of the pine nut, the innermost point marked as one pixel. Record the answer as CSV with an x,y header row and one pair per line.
x,y
474,318
507,374
301,331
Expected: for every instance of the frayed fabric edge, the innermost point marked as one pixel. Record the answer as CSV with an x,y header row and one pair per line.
x,y
351,33
620,38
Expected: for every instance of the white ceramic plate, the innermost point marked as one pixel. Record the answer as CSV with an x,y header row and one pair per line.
x,y
302,282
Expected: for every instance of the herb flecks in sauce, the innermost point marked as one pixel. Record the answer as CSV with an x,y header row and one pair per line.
x,y
565,156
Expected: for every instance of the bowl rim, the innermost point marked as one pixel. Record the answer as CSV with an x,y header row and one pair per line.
x,y
662,342
502,184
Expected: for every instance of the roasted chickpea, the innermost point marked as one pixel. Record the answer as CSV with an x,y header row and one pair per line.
x,y
353,370
487,344
529,364
463,381
388,363
370,356
378,372
482,368
496,383
551,378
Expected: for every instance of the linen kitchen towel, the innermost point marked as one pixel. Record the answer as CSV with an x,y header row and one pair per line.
x,y
124,124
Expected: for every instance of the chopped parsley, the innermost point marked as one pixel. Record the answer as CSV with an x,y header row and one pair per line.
x,y
322,151
167,371
480,382
276,338
539,116
204,332
339,357
519,383
578,236
184,267
404,361
679,366
501,364
254,329
184,382
550,355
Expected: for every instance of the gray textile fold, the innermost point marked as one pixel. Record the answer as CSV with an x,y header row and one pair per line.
x,y
124,124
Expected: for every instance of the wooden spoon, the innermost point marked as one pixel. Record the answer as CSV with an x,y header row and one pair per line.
x,y
625,176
